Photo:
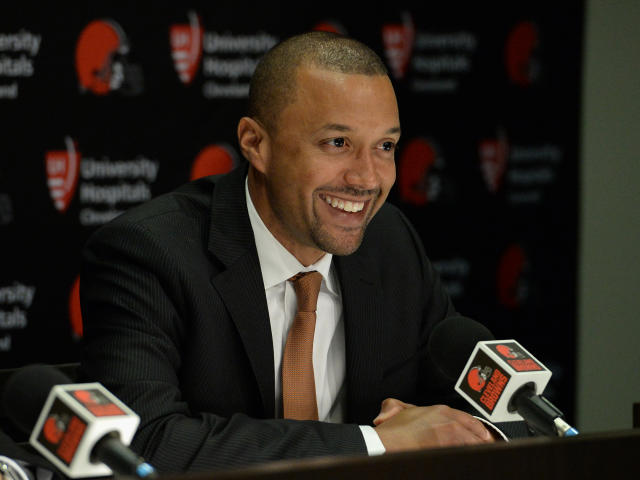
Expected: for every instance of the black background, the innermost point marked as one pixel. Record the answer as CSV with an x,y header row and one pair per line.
x,y
170,122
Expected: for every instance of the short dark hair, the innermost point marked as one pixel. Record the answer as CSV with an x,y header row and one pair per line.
x,y
274,80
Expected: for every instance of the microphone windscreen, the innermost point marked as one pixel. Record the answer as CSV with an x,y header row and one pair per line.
x,y
27,390
452,341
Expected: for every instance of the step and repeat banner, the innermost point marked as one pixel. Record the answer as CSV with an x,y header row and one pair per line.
x,y
104,107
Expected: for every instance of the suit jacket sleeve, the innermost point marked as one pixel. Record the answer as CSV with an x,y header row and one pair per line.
x,y
138,332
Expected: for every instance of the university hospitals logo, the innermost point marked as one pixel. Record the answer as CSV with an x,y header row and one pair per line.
x,y
442,61
101,63
225,60
16,300
106,187
398,39
523,68
493,155
75,313
512,277
186,47
62,167
18,53
523,171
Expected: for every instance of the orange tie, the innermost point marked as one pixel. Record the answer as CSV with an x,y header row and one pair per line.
x,y
298,383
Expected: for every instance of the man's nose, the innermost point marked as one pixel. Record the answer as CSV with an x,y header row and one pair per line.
x,y
362,170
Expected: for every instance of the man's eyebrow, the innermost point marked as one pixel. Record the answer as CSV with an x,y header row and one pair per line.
x,y
335,126
344,128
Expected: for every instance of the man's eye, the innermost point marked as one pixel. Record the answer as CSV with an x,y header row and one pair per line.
x,y
337,142
388,146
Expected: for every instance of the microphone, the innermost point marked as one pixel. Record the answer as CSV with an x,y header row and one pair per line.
x,y
504,382
83,429
452,341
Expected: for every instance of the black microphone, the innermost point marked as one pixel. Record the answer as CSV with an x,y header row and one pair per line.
x,y
452,341
83,429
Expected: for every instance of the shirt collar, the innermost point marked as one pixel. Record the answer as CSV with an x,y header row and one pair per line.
x,y
276,262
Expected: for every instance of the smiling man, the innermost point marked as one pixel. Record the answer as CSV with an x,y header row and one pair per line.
x,y
325,167
192,305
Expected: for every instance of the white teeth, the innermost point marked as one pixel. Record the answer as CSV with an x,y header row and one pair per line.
x,y
346,206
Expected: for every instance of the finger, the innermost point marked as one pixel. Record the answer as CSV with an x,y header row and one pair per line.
x,y
461,435
389,408
477,428
497,434
472,424
387,414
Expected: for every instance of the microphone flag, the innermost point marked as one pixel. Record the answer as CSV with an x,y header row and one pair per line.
x,y
495,371
73,419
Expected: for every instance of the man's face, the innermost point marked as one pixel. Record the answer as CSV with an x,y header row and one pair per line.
x,y
331,162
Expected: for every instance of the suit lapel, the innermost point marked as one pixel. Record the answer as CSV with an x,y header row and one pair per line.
x,y
241,288
240,285
363,320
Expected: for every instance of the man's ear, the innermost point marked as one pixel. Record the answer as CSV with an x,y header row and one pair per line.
x,y
254,143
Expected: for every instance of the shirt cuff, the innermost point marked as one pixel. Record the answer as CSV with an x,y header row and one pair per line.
x,y
372,440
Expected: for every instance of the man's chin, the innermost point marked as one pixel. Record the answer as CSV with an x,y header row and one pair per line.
x,y
341,245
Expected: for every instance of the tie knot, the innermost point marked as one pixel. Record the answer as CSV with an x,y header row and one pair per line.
x,y
307,287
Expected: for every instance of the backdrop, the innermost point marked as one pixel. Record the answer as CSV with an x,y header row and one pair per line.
x,y
103,107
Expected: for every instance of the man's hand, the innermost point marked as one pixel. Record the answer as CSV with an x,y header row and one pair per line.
x,y
402,426
389,408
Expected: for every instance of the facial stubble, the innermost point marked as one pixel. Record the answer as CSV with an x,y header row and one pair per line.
x,y
327,242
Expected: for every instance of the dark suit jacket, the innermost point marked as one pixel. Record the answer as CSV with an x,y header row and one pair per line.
x,y
176,325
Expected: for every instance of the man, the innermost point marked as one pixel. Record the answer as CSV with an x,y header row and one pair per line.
x,y
187,301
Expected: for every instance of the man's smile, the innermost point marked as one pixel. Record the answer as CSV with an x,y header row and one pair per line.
x,y
344,205
344,211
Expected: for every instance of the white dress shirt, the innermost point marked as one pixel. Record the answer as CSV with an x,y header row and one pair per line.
x,y
278,265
